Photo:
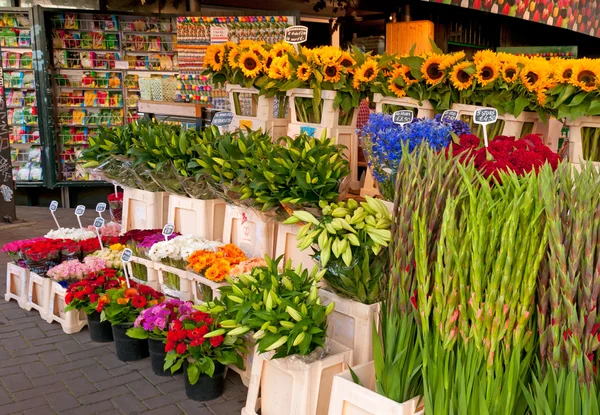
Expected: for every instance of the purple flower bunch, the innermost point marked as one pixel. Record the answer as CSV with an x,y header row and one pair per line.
x,y
155,320
157,237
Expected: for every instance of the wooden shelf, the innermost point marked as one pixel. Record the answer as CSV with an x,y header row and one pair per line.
x,y
180,109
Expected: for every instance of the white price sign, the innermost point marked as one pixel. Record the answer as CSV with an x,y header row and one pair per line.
x,y
402,117
53,207
98,223
126,257
168,231
100,207
79,211
485,117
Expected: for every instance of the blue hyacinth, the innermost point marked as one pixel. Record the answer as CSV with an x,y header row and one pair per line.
x,y
382,141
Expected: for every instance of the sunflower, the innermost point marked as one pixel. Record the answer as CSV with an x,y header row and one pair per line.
x,y
214,57
431,69
533,76
250,64
329,54
267,60
394,86
257,48
332,72
485,56
407,75
232,56
510,72
367,72
541,97
304,72
280,68
487,71
460,77
586,74
450,60
346,60
281,48
246,44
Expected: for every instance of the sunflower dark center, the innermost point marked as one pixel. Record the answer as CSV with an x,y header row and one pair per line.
x,y
532,77
409,75
218,57
346,63
433,71
487,73
250,64
510,73
331,71
462,76
269,62
369,73
587,77
567,73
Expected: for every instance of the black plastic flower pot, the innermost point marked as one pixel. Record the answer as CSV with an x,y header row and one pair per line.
x,y
129,349
157,356
207,388
100,331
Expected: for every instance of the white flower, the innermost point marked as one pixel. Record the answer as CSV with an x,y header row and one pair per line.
x,y
181,247
74,234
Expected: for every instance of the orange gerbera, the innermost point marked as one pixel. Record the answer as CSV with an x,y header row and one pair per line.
x,y
130,293
123,301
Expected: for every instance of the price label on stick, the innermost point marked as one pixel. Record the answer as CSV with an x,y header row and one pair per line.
x,y
53,207
449,116
222,118
296,34
98,223
100,207
168,231
484,117
79,211
402,117
126,257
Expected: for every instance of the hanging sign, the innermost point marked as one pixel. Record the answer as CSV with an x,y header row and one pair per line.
x,y
296,34
485,117
168,231
449,116
53,207
222,118
79,211
402,117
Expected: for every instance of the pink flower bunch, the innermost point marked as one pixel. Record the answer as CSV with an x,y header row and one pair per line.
x,y
111,229
75,270
16,247
245,267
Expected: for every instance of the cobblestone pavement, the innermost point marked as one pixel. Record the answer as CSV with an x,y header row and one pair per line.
x,y
45,371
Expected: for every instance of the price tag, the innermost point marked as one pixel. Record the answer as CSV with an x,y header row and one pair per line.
x,y
53,207
449,116
126,257
168,231
100,207
121,65
79,211
484,117
98,223
402,117
222,118
296,34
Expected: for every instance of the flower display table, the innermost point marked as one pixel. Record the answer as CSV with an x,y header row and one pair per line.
x,y
424,109
151,274
184,292
17,280
38,294
71,321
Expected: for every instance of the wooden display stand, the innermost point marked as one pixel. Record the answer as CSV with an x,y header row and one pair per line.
x,y
151,272
343,134
17,281
203,218
349,398
249,231
263,111
198,293
250,345
351,324
291,387
575,137
185,284
71,321
144,210
424,109
38,294
512,126
287,245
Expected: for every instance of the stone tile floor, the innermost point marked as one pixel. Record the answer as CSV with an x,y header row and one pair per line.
x,y
45,371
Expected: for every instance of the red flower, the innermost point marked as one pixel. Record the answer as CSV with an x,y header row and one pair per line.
x,y
181,348
216,341
68,298
111,284
413,300
94,297
169,346
139,301
197,342
88,289
567,333
199,316
79,295
595,329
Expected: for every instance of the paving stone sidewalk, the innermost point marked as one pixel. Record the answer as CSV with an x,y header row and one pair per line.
x,y
45,371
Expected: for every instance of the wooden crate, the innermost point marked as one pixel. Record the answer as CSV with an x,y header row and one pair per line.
x,y
17,280
144,210
287,245
202,218
250,231
38,294
71,321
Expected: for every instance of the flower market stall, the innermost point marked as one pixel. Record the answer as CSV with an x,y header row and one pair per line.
x,y
468,285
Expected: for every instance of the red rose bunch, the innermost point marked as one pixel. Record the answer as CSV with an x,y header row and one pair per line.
x,y
504,154
43,249
199,335
89,246
88,294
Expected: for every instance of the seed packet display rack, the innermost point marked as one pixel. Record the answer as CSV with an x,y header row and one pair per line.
x,y
96,62
17,40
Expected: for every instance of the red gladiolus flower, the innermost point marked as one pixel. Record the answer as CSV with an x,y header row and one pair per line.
x,y
567,333
138,301
413,300
181,348
216,341
595,329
